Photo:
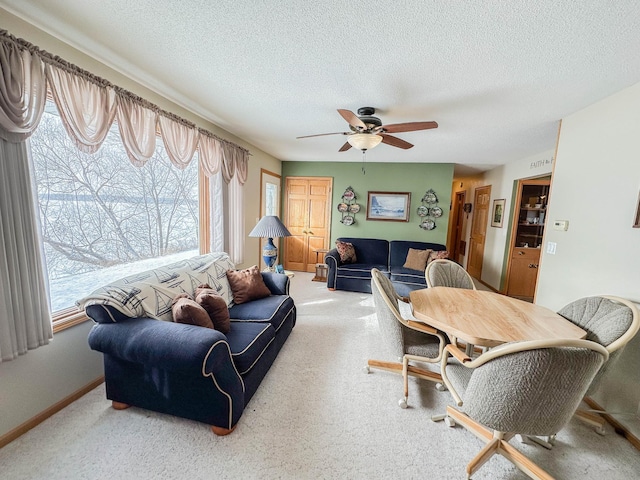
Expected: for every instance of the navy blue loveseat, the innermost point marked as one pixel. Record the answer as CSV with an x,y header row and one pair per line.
x,y
189,371
387,256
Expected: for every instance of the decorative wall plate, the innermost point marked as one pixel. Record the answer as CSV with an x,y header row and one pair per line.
x,y
428,224
354,208
348,220
343,207
430,197
436,212
423,211
348,195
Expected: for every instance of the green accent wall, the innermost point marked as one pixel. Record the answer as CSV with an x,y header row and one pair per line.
x,y
416,178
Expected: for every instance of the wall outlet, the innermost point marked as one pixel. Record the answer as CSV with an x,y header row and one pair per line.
x,y
551,248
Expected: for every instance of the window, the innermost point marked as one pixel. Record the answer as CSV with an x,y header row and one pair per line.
x,y
102,217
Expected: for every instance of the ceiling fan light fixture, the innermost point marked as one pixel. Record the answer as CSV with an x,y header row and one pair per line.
x,y
364,141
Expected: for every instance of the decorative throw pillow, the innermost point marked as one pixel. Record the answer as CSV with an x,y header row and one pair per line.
x,y
247,285
417,259
346,251
216,307
187,310
438,255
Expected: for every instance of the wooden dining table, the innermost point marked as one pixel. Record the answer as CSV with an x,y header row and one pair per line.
x,y
488,319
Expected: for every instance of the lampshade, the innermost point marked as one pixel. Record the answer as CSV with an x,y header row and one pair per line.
x,y
364,141
270,226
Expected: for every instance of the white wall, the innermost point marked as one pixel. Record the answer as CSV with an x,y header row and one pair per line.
x,y
502,181
595,187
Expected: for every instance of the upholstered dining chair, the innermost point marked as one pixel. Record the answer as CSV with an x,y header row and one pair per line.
x,y
610,321
407,340
530,388
446,273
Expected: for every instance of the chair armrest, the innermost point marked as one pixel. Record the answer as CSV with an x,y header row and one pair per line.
x,y
458,354
423,327
277,283
332,259
166,345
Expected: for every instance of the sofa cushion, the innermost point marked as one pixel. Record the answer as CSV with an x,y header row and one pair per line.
x,y
359,270
273,310
441,255
346,251
247,285
370,251
216,308
186,310
417,259
398,250
408,275
248,342
150,294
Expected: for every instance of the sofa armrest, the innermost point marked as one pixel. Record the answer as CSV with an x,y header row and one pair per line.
x,y
277,283
332,259
166,345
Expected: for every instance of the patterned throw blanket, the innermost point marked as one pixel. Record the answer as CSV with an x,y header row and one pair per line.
x,y
151,293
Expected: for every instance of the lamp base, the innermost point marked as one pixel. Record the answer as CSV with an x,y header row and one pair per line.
x,y
269,254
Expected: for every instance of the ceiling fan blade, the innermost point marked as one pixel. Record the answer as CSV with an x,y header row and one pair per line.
x,y
352,119
323,134
345,147
409,127
395,141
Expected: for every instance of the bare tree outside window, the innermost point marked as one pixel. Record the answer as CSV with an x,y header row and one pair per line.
x,y
99,210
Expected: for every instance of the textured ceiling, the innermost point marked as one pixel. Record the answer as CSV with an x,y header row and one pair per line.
x,y
496,75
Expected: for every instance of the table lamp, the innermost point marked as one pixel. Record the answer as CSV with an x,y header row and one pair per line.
x,y
270,227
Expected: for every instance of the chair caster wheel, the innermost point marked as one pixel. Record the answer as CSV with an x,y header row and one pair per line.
x,y
402,403
441,387
450,422
367,369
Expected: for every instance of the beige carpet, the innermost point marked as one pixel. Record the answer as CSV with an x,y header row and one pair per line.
x,y
316,415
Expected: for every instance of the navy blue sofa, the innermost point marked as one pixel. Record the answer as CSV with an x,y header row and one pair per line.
x,y
387,256
186,370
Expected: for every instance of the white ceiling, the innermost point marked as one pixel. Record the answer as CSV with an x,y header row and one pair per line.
x,y
496,75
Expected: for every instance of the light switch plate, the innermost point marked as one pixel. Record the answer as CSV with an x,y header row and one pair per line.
x,y
551,248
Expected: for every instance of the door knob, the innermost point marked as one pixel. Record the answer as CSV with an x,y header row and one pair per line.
x,y
310,232
304,231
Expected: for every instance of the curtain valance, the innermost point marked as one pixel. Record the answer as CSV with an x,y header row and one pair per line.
x,y
88,106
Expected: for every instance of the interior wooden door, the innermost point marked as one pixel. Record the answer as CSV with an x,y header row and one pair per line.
x,y
478,231
458,249
307,209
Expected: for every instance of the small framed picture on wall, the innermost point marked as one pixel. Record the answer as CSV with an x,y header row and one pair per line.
x,y
498,213
388,206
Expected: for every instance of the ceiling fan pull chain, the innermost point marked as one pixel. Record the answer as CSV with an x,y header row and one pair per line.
x,y
364,158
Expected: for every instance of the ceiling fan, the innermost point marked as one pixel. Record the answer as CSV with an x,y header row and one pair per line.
x,y
368,131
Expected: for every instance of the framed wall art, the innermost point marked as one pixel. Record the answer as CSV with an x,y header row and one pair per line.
x,y
388,206
497,214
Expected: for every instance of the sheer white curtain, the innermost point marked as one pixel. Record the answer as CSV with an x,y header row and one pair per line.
x,y
25,322
234,172
180,141
137,124
211,159
87,105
